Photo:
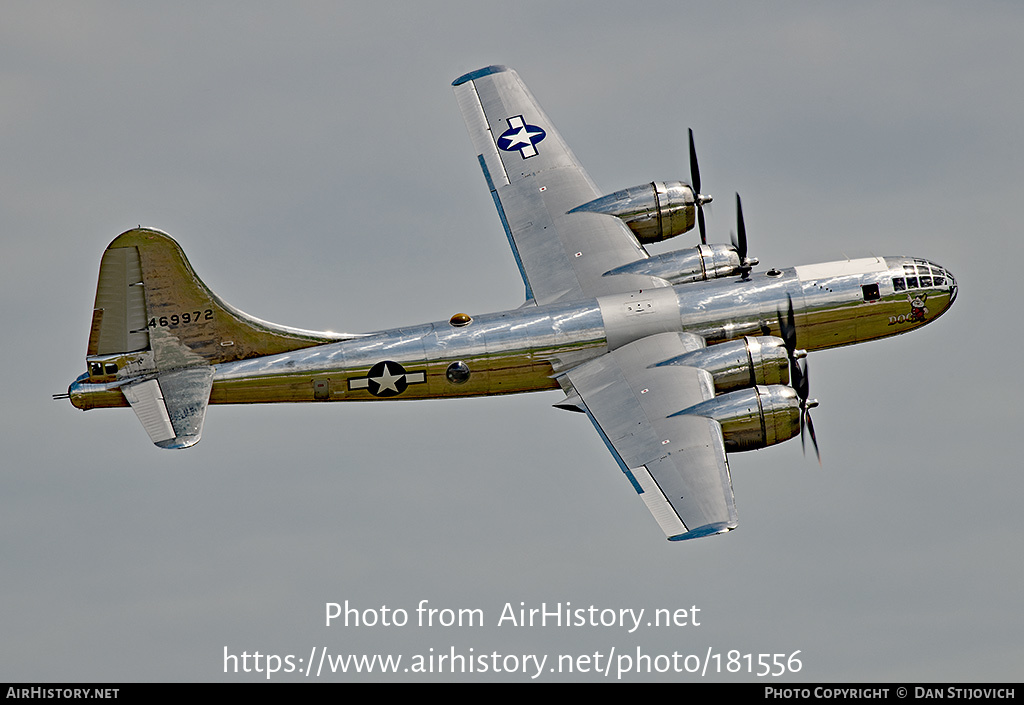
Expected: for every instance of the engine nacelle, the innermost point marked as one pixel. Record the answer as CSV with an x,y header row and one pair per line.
x,y
740,363
690,265
753,418
654,212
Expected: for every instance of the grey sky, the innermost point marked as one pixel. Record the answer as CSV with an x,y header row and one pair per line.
x,y
312,162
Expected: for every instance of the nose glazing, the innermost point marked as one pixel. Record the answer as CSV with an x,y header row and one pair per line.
x,y
950,280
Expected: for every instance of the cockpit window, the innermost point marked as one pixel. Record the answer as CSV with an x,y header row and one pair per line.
x,y
920,274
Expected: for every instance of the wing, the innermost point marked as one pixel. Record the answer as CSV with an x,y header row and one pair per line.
x,y
677,464
535,180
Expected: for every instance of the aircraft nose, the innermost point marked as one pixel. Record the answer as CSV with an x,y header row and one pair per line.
x,y
951,284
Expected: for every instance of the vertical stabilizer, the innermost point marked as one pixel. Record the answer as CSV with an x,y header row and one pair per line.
x,y
149,297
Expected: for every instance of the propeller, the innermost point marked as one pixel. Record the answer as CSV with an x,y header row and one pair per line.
x,y
798,376
801,387
699,198
740,245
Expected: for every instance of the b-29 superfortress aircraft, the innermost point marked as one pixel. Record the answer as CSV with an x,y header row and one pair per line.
x,y
677,359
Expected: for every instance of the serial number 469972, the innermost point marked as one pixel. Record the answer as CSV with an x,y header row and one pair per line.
x,y
179,319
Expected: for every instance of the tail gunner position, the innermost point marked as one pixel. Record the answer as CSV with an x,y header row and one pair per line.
x,y
676,359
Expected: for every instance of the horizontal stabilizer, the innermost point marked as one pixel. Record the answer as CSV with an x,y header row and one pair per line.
x,y
172,406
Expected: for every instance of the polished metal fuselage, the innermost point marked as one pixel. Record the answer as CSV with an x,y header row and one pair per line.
x,y
525,349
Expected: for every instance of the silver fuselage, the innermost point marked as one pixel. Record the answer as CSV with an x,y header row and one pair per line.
x,y
522,350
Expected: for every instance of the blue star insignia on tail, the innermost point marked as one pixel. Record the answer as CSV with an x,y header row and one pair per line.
x,y
521,137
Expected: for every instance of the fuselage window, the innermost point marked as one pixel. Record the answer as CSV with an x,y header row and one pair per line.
x,y
457,373
870,292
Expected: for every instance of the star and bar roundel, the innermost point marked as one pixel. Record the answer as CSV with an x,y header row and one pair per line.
x,y
386,379
520,137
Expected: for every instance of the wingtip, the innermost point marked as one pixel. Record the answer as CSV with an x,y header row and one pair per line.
x,y
479,73
706,530
177,443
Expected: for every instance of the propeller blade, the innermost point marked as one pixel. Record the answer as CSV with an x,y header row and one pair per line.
x,y
694,169
800,382
787,329
699,200
814,438
741,247
791,323
803,415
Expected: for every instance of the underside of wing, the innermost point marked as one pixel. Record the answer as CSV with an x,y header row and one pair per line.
x,y
535,181
675,462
